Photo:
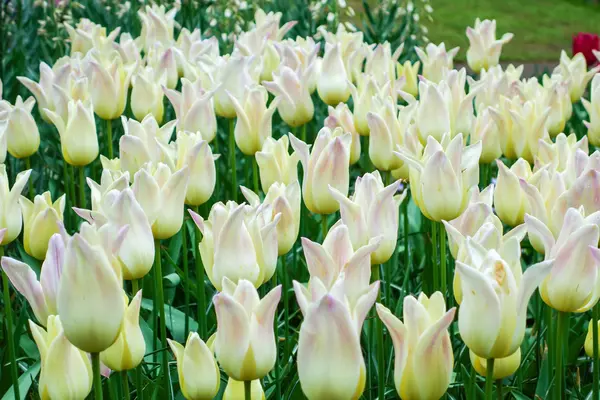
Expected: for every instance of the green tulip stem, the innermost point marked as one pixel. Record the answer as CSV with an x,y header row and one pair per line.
x,y
200,287
255,175
499,389
186,280
30,180
489,379
82,202
277,362
247,390
596,363
109,138
303,133
406,229
376,276
561,341
9,332
135,287
550,342
72,193
125,382
232,160
434,245
443,270
324,226
97,377
160,301
285,282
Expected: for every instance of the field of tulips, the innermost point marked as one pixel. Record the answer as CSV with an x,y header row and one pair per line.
x,y
244,201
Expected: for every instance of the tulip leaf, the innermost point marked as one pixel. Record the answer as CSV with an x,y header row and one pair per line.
x,y
175,320
171,280
25,381
519,396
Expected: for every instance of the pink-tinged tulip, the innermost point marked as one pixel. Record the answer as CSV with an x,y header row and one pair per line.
x,y
503,367
253,125
291,87
436,61
493,310
593,109
128,351
484,50
256,42
40,221
66,371
235,390
129,49
199,375
269,23
574,71
285,201
10,211
196,154
91,310
423,351
230,228
78,138
109,180
275,164
442,178
147,94
327,163
232,76
21,132
409,72
495,84
332,85
353,50
567,156
161,193
372,211
41,295
341,117
573,282
510,201
163,61
157,25
301,55
245,342
194,109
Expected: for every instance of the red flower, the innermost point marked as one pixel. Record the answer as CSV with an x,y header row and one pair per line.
x,y
584,43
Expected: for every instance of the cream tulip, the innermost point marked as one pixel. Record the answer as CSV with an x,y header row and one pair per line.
x,y
78,137
235,390
245,342
10,212
363,98
3,143
381,63
484,130
592,106
432,102
510,201
21,132
275,164
233,75
436,61
157,25
40,221
341,116
332,84
109,84
163,61
327,164
410,72
83,34
231,227
484,49
574,71
199,375
503,367
423,351
196,154
147,94
292,88
588,345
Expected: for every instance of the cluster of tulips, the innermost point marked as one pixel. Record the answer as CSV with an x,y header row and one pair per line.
x,y
426,131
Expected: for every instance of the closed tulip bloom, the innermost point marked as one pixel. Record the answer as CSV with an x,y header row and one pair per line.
x,y
109,85
593,109
253,124
147,94
485,130
341,116
41,295
157,25
437,61
566,155
574,71
510,201
423,351
196,154
235,390
40,220
332,85
66,371
231,227
484,50
10,211
164,64
353,50
2,142
327,164
233,75
493,311
588,346
441,179
286,201
78,138
556,96
194,109
572,285
409,71
363,96
77,89
370,212
275,164
245,342
381,63
161,194
199,375
22,135
291,86
432,102
82,36
128,351
503,367
91,310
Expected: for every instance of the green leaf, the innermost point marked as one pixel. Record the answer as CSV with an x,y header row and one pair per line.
x,y
25,381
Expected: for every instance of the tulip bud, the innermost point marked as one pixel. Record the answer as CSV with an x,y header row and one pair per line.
x,y
326,164
363,98
231,227
341,116
589,339
333,85
78,138
436,61
60,359
40,220
574,71
593,109
128,351
3,143
441,179
253,123
423,351
572,285
409,72
245,342
485,130
233,75
147,94
199,375
91,310
194,109
129,49
275,164
503,367
109,85
196,154
509,200
300,55
235,390
432,102
164,64
370,212
10,212
285,201
295,106
21,131
484,50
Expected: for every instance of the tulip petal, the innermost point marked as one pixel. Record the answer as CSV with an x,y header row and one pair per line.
x,y
25,282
